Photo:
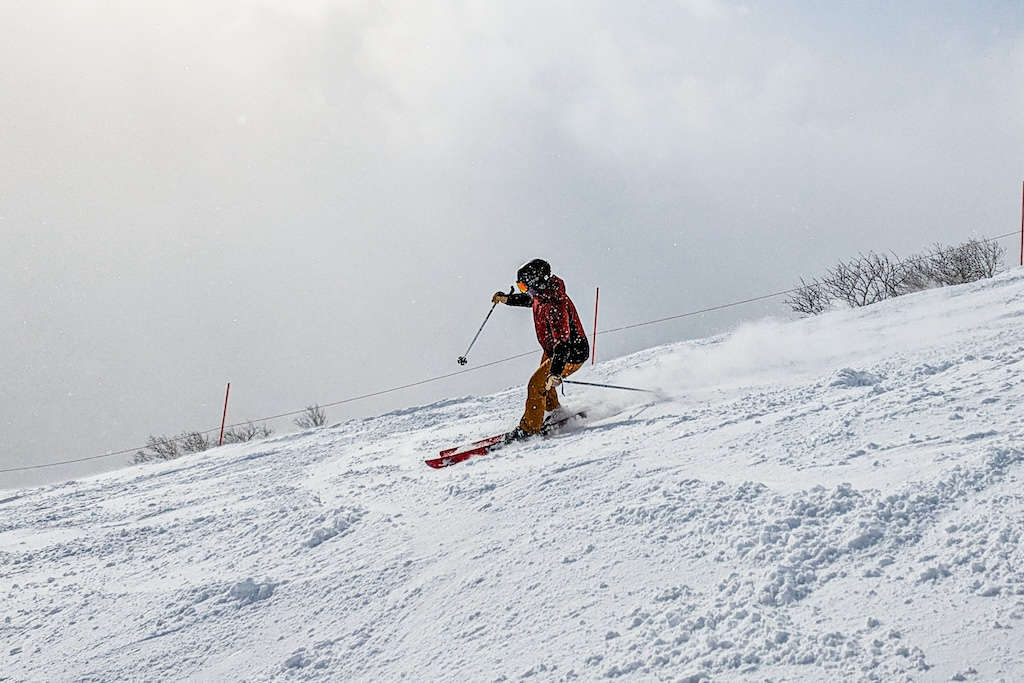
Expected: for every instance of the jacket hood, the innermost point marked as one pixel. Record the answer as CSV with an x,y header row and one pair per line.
x,y
554,290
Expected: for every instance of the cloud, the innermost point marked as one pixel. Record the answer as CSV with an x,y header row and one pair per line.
x,y
319,198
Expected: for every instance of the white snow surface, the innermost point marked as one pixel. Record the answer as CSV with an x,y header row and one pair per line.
x,y
836,498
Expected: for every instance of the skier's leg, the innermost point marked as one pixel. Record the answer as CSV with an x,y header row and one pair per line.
x,y
552,396
536,400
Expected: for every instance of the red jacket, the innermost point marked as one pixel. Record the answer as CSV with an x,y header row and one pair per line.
x,y
557,323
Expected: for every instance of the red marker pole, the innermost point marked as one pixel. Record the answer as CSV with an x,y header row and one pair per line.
x,y
1022,223
224,417
593,345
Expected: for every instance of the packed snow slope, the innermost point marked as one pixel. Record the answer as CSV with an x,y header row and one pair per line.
x,y
836,498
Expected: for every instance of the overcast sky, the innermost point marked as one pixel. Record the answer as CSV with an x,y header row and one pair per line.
x,y
319,202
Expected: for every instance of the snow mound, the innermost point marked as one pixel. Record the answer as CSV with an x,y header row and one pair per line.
x,y
848,377
330,525
248,591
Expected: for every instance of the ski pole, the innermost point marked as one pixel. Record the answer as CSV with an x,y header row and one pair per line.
x,y
608,386
462,359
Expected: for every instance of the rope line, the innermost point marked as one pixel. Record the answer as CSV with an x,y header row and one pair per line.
x,y
275,417
765,296
437,378
377,393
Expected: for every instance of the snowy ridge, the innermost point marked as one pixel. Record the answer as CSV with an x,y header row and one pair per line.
x,y
837,498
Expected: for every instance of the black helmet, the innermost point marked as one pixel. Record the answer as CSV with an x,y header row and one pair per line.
x,y
534,274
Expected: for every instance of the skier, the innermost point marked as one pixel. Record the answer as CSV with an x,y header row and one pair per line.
x,y
560,334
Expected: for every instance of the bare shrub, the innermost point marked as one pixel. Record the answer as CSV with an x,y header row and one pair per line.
x,y
247,432
866,280
918,275
809,298
846,282
194,442
315,416
967,262
988,258
158,448
891,274
872,277
171,447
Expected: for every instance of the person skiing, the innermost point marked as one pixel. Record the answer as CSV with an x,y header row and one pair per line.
x,y
559,332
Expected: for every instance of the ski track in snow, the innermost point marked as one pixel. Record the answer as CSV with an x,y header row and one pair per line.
x,y
837,498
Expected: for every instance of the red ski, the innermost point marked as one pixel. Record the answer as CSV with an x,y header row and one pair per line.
x,y
451,456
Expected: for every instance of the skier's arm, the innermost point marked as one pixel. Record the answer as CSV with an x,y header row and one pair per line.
x,y
523,299
561,336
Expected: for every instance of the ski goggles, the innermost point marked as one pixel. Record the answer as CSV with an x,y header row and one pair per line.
x,y
522,287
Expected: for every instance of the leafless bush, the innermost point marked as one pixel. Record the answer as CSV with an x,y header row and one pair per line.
x,y
872,277
918,275
967,262
313,417
866,280
989,258
194,442
809,298
158,448
247,432
171,447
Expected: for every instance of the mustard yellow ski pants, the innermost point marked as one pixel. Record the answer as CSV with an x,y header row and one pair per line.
x,y
538,400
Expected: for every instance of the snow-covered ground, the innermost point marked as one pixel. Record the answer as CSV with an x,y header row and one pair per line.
x,y
837,498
